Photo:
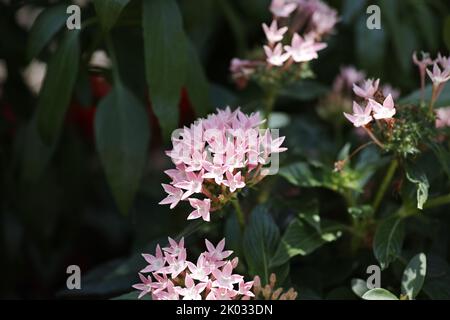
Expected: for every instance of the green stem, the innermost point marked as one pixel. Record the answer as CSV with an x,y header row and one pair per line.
x,y
239,213
385,184
430,204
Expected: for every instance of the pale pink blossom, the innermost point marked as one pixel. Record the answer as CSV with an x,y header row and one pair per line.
x,y
282,8
443,117
439,75
225,141
360,116
234,181
155,262
175,248
273,34
217,253
224,278
211,278
146,286
368,89
443,61
304,49
387,89
346,78
385,111
324,20
175,195
191,291
276,56
202,208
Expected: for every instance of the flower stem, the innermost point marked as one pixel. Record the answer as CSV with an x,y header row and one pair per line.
x,y
239,213
385,184
372,136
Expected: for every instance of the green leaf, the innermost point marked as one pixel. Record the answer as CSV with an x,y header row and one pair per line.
x,y
379,294
108,11
446,32
414,276
166,66
359,287
261,237
44,28
57,88
197,84
388,241
417,177
302,239
122,136
304,90
414,97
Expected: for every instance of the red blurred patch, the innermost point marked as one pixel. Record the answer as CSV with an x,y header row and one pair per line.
x,y
100,86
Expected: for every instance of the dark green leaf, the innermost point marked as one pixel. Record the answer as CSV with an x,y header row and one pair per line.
x,y
302,239
57,88
122,136
388,241
165,59
417,177
44,28
379,294
414,276
109,11
261,237
197,84
414,97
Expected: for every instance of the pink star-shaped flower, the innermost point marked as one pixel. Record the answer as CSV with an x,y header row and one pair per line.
x,y
368,89
234,181
360,117
282,8
275,56
304,49
156,261
175,248
224,278
216,253
439,76
175,195
145,287
202,208
385,111
273,34
191,291
192,184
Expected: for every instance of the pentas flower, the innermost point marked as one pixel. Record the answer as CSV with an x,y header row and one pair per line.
x,y
273,34
422,64
346,78
443,61
211,278
216,157
324,20
360,116
275,56
368,89
385,111
282,8
304,49
443,117
439,75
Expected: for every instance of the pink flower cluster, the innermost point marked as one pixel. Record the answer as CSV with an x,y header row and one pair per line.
x,y
173,277
439,75
217,156
311,18
373,110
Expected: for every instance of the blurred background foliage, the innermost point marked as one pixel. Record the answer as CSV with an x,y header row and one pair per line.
x,y
59,207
